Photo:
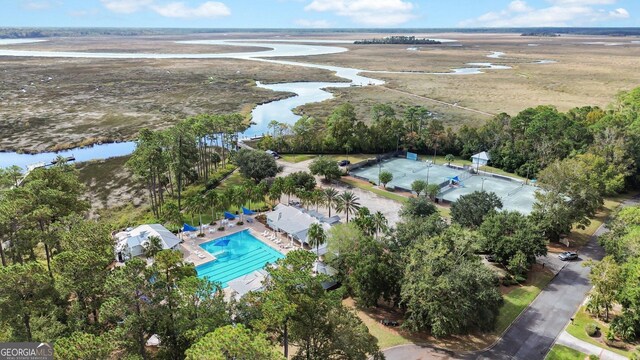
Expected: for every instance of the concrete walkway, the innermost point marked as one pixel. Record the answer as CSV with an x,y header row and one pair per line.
x,y
571,341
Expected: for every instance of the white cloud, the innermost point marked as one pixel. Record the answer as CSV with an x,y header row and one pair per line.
x,y
313,23
368,12
209,9
559,13
178,9
519,6
40,4
126,6
582,2
619,13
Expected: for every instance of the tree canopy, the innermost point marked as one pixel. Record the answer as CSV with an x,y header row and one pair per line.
x,y
509,234
445,288
470,210
326,167
256,165
232,342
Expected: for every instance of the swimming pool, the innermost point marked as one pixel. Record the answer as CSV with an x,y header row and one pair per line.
x,y
242,255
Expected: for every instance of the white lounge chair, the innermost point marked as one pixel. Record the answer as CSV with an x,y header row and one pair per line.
x,y
201,256
211,231
265,233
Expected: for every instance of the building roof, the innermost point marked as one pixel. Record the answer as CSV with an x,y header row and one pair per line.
x,y
296,222
139,235
482,156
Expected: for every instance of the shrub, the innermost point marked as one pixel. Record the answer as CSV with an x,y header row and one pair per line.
x,y
221,228
508,280
240,223
591,329
593,357
520,279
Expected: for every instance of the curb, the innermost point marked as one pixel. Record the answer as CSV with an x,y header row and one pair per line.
x,y
514,320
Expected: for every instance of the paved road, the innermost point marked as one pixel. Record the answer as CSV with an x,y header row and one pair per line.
x,y
535,331
531,336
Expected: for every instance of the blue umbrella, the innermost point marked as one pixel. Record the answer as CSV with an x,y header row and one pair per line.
x,y
187,227
222,242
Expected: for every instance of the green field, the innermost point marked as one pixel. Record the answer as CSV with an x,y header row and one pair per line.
x,y
576,328
518,299
561,352
354,158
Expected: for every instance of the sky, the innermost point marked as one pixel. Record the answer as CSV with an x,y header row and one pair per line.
x,y
320,13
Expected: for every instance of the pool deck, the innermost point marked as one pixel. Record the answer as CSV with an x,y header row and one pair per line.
x,y
190,245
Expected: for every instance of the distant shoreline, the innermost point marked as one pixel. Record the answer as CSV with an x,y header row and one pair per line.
x,y
42,32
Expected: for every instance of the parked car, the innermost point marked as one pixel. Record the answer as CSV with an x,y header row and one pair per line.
x,y
568,256
273,153
387,322
344,162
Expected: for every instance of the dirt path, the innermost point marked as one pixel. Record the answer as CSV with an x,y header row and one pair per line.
x,y
439,102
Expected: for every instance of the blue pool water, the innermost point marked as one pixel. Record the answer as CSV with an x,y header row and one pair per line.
x,y
243,255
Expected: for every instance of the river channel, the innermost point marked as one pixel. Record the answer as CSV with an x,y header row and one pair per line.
x,y
281,110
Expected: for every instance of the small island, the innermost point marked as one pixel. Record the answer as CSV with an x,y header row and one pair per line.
x,y
540,34
395,40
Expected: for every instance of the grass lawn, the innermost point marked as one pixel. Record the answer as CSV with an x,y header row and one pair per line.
x,y
561,352
444,211
583,318
234,179
354,158
387,337
374,189
516,300
579,237
296,158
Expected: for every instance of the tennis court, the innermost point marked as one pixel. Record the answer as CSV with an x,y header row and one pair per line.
x,y
405,172
515,196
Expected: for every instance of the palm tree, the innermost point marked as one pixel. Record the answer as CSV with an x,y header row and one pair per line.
x,y
330,196
306,198
277,189
289,187
197,204
152,246
239,197
317,198
379,222
191,205
256,193
213,200
316,237
347,202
